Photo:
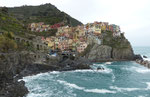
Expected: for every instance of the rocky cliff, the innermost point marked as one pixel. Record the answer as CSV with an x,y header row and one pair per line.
x,y
10,66
14,66
111,49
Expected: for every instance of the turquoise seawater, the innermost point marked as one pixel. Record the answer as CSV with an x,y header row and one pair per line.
x,y
142,51
119,79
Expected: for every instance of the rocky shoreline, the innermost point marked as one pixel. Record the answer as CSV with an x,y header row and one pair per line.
x,y
16,66
142,61
145,63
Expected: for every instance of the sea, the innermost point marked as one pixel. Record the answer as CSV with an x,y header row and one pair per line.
x,y
118,79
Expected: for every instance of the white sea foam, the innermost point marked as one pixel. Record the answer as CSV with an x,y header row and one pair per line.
x,y
103,91
141,96
113,77
124,89
138,69
34,95
130,89
106,70
45,94
70,85
83,88
108,63
38,75
148,59
143,70
34,77
54,72
148,85
85,70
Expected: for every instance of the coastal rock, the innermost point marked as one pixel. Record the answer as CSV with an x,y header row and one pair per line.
x,y
37,68
10,66
122,54
99,53
14,89
73,64
138,57
144,56
143,62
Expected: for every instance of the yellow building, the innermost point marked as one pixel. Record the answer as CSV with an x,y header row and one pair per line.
x,y
96,29
103,27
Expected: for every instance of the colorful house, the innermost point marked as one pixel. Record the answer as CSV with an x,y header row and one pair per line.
x,y
82,46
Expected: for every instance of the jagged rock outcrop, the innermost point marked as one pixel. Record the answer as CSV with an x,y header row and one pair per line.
x,y
73,64
122,54
58,63
111,49
99,53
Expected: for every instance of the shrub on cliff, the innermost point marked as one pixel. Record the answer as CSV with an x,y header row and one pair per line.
x,y
7,43
115,42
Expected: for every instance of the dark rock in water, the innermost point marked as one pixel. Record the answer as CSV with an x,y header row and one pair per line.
x,y
100,68
139,57
145,63
144,56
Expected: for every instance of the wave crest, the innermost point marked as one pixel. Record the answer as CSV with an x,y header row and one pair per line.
x,y
83,88
124,89
99,91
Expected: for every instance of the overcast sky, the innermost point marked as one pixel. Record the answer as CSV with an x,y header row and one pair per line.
x,y
133,16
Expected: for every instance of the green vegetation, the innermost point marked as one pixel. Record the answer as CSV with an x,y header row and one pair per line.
x,y
10,24
7,44
115,42
24,46
47,13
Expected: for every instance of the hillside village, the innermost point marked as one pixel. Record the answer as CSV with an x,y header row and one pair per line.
x,y
74,38
39,39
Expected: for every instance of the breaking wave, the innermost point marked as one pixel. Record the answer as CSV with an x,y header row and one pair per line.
x,y
106,70
140,69
130,89
124,89
148,85
83,88
54,72
108,63
102,91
